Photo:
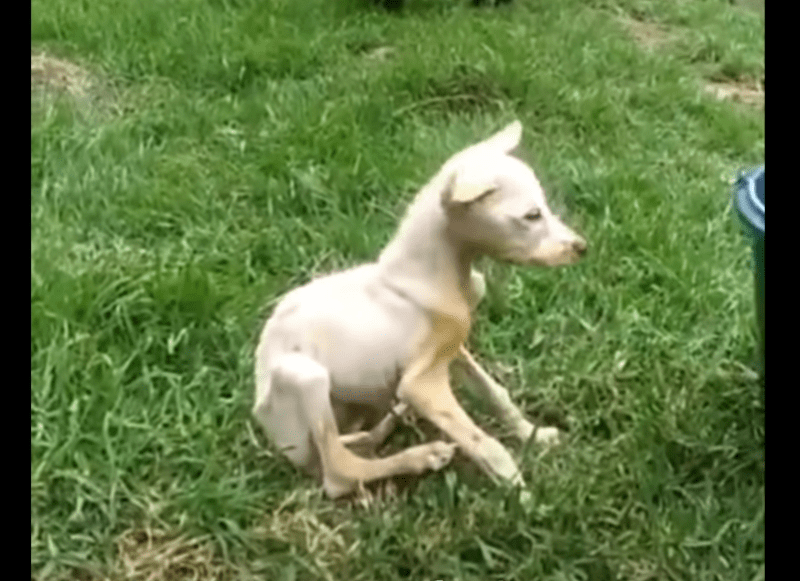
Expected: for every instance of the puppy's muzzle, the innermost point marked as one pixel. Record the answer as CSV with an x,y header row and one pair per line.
x,y
580,247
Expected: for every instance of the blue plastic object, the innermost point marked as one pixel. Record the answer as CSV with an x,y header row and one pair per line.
x,y
748,199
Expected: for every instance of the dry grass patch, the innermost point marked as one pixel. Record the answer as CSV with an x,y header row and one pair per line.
x,y
153,555
299,524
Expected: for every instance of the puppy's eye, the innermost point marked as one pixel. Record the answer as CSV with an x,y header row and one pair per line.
x,y
533,215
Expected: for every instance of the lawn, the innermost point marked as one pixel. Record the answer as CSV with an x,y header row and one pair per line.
x,y
192,161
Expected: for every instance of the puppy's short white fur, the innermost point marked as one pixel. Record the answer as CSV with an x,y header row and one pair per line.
x,y
343,355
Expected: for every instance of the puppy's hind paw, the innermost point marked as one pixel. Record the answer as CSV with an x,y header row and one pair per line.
x,y
439,455
548,436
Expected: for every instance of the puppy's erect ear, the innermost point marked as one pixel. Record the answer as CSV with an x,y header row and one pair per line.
x,y
507,139
467,184
471,180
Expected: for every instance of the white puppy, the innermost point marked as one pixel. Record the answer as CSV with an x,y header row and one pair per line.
x,y
341,351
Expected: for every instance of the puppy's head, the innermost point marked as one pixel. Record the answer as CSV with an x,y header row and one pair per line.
x,y
495,205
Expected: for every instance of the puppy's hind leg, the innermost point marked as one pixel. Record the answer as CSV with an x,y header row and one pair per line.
x,y
343,471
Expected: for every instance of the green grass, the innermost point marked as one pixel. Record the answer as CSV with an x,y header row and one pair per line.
x,y
253,144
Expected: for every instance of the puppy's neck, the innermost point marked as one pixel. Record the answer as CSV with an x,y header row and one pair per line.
x,y
425,263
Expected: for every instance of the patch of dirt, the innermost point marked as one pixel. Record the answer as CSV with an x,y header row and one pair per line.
x,y
648,35
652,36
754,5
52,74
747,92
54,79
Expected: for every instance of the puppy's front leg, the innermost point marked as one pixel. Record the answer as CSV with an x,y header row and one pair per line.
x,y
498,398
428,393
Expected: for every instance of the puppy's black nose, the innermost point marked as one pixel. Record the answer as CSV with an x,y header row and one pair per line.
x,y
580,247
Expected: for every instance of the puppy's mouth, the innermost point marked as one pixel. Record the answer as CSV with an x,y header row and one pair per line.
x,y
552,262
564,256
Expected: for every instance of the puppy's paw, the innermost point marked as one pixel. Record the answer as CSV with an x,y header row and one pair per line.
x,y
549,436
439,454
